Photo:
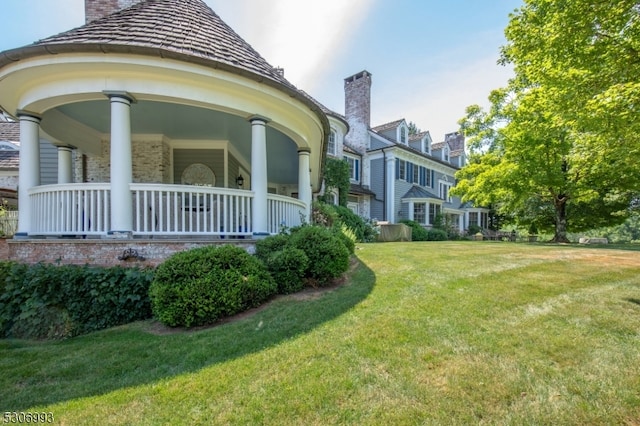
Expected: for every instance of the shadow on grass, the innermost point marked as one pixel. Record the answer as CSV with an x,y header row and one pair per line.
x,y
633,300
35,374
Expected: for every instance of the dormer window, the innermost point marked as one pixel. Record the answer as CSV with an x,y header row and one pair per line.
x,y
331,147
403,135
426,145
445,153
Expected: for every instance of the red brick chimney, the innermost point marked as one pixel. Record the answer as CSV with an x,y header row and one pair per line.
x,y
96,9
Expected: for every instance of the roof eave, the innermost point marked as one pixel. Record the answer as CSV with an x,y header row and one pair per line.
x,y
34,50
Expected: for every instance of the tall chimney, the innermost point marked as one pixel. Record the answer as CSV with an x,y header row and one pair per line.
x,y
357,109
96,9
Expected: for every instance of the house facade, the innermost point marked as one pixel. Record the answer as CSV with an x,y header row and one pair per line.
x,y
165,123
396,175
156,120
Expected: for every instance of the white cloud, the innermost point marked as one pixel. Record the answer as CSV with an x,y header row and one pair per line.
x,y
305,38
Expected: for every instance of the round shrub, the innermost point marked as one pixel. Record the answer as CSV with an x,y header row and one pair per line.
x,y
347,236
288,267
328,256
269,245
437,235
418,233
202,285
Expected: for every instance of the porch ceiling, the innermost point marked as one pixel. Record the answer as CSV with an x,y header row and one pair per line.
x,y
184,122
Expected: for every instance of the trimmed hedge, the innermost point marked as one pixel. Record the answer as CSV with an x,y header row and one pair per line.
x,y
50,301
437,235
328,255
200,286
418,232
288,267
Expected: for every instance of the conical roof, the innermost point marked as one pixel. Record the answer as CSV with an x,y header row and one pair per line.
x,y
187,30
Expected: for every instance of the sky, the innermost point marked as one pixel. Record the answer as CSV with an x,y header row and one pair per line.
x,y
429,59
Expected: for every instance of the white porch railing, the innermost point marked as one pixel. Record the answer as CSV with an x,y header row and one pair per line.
x,y
158,209
284,212
70,209
190,210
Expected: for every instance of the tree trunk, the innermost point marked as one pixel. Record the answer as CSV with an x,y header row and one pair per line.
x,y
560,203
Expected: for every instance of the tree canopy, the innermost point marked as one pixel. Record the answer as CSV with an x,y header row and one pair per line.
x,y
559,145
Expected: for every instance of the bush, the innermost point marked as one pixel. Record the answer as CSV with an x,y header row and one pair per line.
x,y
287,267
269,245
347,236
323,214
418,232
364,231
436,235
473,229
202,285
328,256
49,301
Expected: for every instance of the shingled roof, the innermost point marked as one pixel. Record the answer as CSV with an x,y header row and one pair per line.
x,y
387,126
10,131
9,159
186,30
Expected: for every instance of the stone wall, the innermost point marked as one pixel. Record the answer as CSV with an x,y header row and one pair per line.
x,y
104,252
9,182
151,162
357,109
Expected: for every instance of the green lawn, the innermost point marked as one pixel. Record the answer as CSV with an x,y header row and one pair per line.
x,y
421,333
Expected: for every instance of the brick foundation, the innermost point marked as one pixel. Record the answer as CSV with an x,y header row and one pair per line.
x,y
104,252
4,249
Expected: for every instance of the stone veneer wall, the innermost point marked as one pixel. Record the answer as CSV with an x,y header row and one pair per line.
x,y
102,252
9,182
357,109
151,162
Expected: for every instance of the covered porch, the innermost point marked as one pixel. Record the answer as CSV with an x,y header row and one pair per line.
x,y
146,165
84,210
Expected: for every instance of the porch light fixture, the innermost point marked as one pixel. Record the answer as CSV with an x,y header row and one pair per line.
x,y
240,181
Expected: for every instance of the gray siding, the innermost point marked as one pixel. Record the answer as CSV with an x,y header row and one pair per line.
x,y
377,144
402,187
234,171
214,158
377,187
48,163
416,145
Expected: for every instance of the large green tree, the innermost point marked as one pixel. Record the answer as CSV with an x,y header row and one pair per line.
x,y
560,143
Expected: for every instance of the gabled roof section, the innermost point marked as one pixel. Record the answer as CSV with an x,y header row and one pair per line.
x,y
10,131
418,136
179,29
387,126
437,146
419,192
351,150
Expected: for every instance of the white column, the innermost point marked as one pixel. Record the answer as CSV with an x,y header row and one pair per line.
x,y
259,183
29,173
390,196
64,165
121,164
304,180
